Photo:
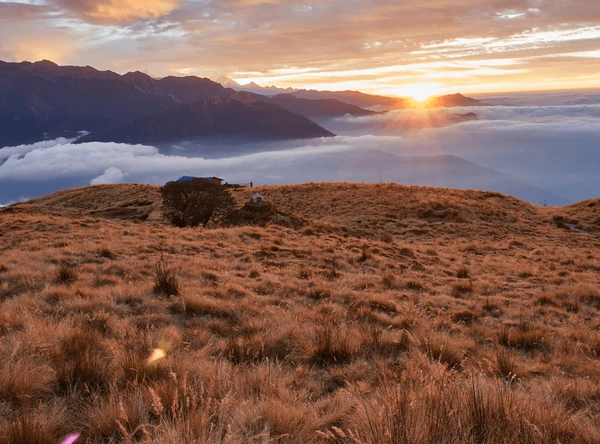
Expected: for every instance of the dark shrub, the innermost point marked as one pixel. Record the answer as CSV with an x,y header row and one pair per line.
x,y
196,201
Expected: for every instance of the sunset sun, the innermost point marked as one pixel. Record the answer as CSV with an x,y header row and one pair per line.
x,y
421,91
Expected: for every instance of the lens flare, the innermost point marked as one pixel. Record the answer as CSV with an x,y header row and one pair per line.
x,y
157,355
71,438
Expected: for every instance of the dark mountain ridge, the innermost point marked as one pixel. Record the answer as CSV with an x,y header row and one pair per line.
x,y
184,89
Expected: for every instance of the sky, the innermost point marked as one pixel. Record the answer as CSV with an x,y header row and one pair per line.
x,y
391,47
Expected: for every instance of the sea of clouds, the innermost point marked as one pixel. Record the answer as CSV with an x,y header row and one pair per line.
x,y
553,147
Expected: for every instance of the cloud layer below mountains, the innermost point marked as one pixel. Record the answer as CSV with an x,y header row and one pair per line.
x,y
553,148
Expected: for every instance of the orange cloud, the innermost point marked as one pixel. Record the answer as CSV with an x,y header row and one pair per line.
x,y
119,11
32,47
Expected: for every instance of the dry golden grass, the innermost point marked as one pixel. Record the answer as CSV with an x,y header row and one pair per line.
x,y
394,315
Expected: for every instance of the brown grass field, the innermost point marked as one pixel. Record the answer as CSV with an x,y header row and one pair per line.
x,y
393,315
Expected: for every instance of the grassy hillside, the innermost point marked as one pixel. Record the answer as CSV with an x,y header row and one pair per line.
x,y
394,315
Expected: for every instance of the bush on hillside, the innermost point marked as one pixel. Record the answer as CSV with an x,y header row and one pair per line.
x,y
195,202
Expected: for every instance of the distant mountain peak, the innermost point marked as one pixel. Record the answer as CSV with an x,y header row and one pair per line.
x,y
45,62
451,100
137,74
227,82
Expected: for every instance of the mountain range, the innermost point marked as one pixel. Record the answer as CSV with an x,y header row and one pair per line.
x,y
356,98
43,100
351,97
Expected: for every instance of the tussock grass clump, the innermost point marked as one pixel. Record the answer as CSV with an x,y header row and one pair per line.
x,y
589,296
319,292
255,348
545,300
44,425
382,304
525,337
387,238
80,362
414,285
305,273
388,280
578,395
461,289
211,279
441,348
407,252
134,364
25,381
121,416
66,273
165,278
244,350
365,254
505,364
465,316
390,343
206,306
330,345
463,273
106,253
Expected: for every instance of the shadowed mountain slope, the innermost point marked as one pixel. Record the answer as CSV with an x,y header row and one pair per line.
x,y
43,100
239,115
122,201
